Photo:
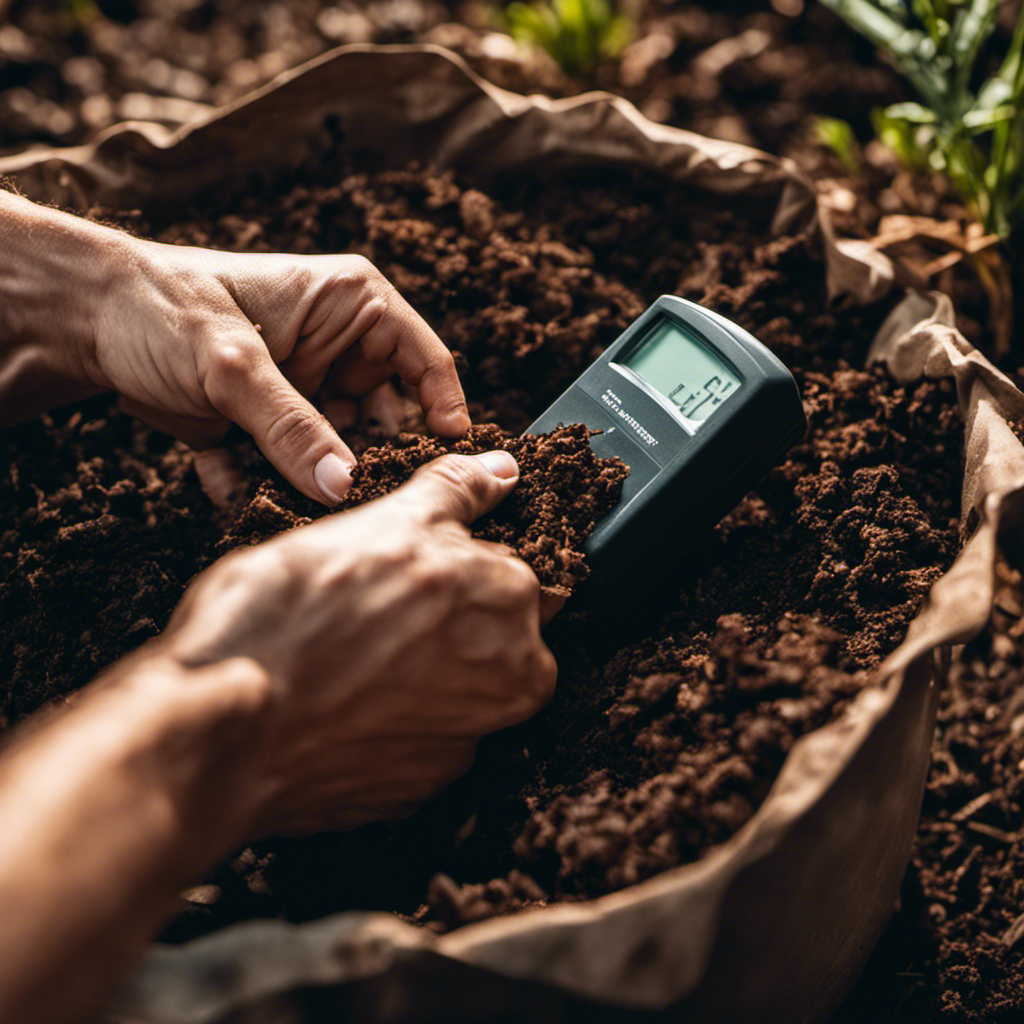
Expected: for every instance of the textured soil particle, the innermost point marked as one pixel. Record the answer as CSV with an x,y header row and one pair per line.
x,y
666,732
563,490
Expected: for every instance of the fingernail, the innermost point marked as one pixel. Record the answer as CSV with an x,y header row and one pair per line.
x,y
459,422
333,477
501,464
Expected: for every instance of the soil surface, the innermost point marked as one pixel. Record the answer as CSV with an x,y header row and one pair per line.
x,y
954,950
665,733
564,490
97,490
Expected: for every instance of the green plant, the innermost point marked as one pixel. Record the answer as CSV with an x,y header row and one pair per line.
x,y
837,135
973,135
82,11
578,34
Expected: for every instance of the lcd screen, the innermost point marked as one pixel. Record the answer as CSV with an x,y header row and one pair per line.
x,y
683,370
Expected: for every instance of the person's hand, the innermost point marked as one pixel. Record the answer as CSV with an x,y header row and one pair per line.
x,y
391,641
193,339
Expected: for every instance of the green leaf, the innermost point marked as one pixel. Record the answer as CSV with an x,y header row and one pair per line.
x,y
895,9
973,26
877,24
915,52
838,136
977,121
973,136
912,112
912,143
578,34
1012,70
994,93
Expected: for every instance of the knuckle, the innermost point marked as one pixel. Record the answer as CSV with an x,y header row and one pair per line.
x,y
460,472
359,269
270,564
359,277
523,578
442,361
546,675
434,571
232,359
298,276
229,570
512,584
378,344
531,683
294,429
331,570
539,673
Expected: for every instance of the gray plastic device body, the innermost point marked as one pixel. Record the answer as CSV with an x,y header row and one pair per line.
x,y
685,476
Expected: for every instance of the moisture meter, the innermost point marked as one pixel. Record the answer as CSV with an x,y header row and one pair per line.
x,y
699,409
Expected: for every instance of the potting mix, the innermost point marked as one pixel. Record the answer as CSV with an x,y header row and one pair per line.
x,y
668,727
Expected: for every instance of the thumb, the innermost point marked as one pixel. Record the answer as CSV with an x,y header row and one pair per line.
x,y
460,488
244,384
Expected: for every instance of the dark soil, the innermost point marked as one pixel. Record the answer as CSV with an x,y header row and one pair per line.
x,y
665,735
563,491
755,73
113,495
750,72
954,951
967,867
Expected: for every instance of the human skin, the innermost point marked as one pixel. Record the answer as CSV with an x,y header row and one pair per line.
x,y
339,674
193,340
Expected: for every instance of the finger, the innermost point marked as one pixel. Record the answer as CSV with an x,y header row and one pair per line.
x,y
459,488
538,679
219,476
403,339
552,601
243,383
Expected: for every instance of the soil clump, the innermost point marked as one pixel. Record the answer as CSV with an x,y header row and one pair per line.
x,y
564,489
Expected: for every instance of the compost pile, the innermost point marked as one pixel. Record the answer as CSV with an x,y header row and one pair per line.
x,y
667,730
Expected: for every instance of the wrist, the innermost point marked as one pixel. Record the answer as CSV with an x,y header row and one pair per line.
x,y
56,271
196,736
110,807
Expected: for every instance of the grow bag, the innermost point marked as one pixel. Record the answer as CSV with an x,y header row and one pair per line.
x,y
776,923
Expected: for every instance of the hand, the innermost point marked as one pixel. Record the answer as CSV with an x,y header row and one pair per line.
x,y
391,642
177,339
173,330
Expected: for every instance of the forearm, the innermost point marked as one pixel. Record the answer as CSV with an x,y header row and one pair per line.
x,y
107,812
54,271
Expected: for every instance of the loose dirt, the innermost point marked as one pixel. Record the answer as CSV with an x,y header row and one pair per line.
x,y
668,729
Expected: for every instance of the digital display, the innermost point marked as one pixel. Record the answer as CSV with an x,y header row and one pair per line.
x,y
683,370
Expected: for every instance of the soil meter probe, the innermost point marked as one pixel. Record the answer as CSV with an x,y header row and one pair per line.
x,y
699,409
